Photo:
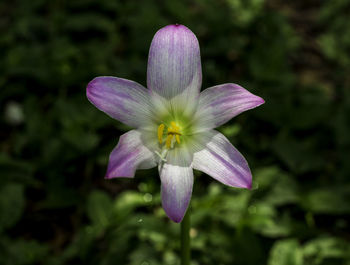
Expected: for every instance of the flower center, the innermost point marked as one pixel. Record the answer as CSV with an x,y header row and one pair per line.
x,y
172,135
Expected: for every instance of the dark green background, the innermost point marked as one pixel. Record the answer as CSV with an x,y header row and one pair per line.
x,y
56,207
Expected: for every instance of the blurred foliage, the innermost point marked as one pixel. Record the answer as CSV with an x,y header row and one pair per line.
x,y
55,206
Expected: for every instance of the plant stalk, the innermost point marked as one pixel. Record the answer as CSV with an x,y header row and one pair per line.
x,y
185,239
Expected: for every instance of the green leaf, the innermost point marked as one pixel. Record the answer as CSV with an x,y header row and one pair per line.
x,y
11,204
264,219
23,252
278,187
331,200
99,208
128,201
318,250
286,252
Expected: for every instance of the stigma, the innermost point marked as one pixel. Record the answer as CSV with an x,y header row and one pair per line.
x,y
172,135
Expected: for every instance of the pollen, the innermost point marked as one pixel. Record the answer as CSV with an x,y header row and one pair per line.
x,y
172,135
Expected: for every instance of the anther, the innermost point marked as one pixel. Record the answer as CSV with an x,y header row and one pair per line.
x,y
177,138
173,135
160,133
168,140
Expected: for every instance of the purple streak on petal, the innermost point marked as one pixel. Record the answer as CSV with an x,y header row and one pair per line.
x,y
221,160
219,104
174,66
129,155
122,99
177,183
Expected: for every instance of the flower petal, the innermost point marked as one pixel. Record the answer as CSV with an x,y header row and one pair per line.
x,y
218,158
177,183
218,104
174,73
122,99
130,154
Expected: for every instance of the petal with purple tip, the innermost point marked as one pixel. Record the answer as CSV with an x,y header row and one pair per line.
x,y
122,99
218,104
217,157
176,190
174,73
130,154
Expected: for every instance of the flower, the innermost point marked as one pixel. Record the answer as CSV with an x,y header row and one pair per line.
x,y
174,123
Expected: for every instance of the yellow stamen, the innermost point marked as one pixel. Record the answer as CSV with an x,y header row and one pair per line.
x,y
160,133
168,140
177,138
172,130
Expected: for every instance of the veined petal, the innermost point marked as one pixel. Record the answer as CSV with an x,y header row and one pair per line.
x,y
130,154
122,99
218,104
174,73
176,175
177,183
218,158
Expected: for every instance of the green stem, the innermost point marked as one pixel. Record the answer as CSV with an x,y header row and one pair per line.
x,y
185,239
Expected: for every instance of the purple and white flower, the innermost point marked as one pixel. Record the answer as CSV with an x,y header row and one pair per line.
x,y
173,122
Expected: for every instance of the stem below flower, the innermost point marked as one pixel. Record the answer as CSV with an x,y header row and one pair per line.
x,y
185,239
